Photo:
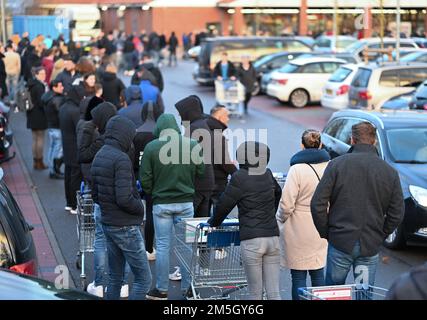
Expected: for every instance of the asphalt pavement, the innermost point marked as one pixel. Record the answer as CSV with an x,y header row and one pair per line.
x,y
283,125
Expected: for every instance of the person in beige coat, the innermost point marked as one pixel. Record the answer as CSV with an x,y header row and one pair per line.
x,y
302,249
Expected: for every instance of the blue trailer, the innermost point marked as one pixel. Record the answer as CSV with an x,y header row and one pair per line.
x,y
51,26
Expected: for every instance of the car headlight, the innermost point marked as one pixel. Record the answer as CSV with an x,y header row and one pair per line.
x,y
419,194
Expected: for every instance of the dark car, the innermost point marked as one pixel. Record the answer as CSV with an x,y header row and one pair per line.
x,y
402,142
419,98
399,102
17,286
269,63
17,251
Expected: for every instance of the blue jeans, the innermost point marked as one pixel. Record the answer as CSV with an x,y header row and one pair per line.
x,y
299,280
165,216
100,251
339,264
55,147
126,244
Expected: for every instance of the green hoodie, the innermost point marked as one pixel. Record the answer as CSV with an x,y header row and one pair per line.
x,y
167,171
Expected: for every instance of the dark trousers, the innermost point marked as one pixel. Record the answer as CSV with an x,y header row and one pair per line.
x,y
72,181
299,280
248,97
149,224
216,194
201,203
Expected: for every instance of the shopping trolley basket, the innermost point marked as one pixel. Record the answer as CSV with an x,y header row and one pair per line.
x,y
231,94
211,256
85,230
343,292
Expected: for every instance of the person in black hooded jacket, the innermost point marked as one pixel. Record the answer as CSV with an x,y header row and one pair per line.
x,y
257,194
191,112
144,134
69,115
113,87
122,212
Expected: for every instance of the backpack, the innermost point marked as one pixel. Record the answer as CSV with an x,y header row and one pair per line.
x,y
23,99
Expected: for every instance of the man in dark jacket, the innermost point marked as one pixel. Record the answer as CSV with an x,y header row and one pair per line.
x,y
191,112
143,74
410,285
224,69
113,87
134,105
257,195
223,166
122,212
356,205
170,182
147,63
69,74
69,115
53,100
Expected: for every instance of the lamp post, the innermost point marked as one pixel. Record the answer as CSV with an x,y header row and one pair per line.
x,y
3,22
398,31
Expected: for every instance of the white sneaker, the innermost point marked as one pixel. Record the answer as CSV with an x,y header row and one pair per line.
x,y
151,256
176,276
73,211
220,254
96,291
68,208
124,291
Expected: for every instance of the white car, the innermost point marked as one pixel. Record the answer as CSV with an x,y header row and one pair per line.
x,y
335,92
302,80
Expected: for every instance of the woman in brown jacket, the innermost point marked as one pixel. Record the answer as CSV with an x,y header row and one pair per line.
x,y
302,248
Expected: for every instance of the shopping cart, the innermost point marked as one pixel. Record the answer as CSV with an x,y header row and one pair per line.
x,y
343,292
280,178
85,230
231,94
211,256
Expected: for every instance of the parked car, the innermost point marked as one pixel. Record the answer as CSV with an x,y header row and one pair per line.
x,y
421,42
375,43
271,62
17,286
194,52
333,44
306,39
335,92
419,98
403,53
373,83
402,143
17,250
347,56
302,80
416,56
399,102
237,47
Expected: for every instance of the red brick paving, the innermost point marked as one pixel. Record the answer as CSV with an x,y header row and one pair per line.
x,y
21,190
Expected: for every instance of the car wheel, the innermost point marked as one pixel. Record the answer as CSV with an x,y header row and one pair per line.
x,y
396,240
299,98
257,89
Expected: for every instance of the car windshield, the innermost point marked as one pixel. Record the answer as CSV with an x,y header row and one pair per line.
x,y
340,75
411,56
289,68
344,43
421,92
262,60
354,46
408,145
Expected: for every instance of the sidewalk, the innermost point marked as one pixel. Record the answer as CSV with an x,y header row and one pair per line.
x,y
20,185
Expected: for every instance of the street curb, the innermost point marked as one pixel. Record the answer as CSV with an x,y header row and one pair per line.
x,y
45,221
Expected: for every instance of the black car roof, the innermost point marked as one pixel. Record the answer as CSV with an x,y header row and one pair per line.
x,y
387,119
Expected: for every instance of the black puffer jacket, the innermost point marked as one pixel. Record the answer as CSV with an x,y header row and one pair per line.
x,y
191,110
222,163
36,118
69,115
52,102
87,135
255,192
114,185
113,89
155,71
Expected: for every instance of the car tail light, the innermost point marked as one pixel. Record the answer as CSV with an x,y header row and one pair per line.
x,y
425,107
29,267
365,95
282,81
343,89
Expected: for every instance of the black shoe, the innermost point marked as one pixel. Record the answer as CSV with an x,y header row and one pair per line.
x,y
155,294
57,165
56,176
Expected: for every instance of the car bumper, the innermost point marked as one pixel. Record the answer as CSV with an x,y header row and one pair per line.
x,y
340,102
415,219
278,91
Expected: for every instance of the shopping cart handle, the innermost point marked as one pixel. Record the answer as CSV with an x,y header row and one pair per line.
x,y
82,187
224,224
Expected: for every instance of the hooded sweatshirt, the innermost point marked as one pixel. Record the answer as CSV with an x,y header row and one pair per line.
x,y
191,110
170,180
134,105
114,187
255,192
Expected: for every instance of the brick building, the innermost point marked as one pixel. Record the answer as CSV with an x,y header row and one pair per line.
x,y
245,16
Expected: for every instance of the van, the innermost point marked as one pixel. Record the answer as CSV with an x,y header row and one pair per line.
x,y
237,47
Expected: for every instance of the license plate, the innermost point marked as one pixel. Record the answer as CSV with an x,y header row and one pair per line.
x,y
353,102
329,92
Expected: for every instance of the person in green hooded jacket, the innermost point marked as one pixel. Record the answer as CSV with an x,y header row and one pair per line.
x,y
168,169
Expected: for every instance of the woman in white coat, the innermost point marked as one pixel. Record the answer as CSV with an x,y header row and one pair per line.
x,y
302,249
